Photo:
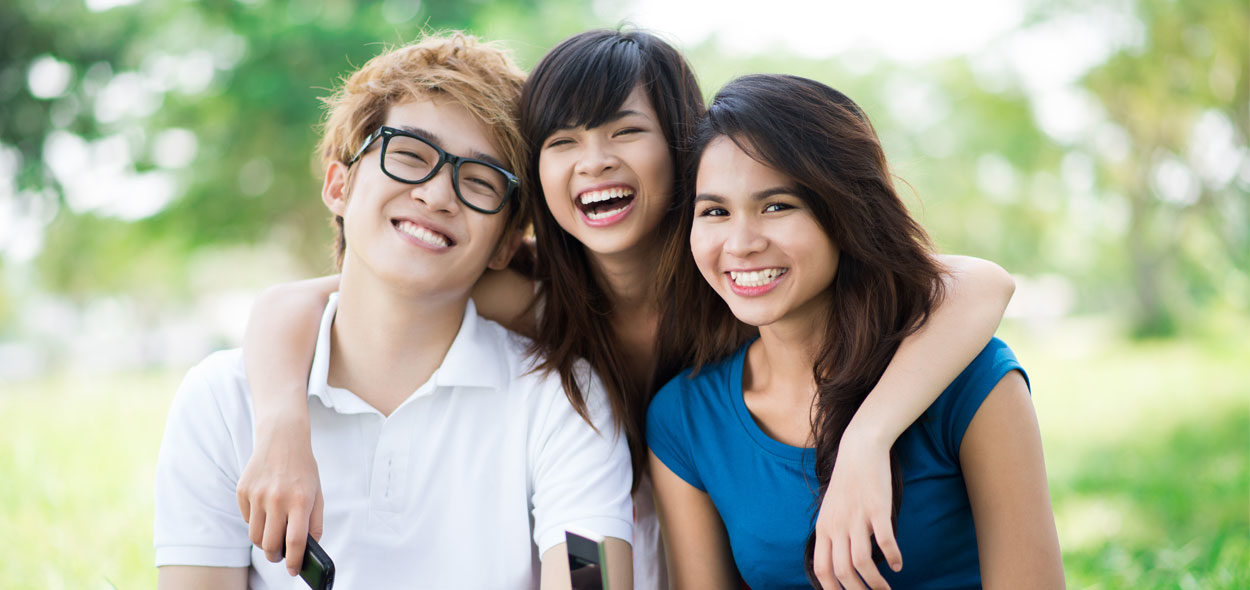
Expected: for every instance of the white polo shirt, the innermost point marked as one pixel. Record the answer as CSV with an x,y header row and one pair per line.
x,y
464,485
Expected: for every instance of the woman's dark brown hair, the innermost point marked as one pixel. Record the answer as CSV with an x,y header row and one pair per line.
x,y
584,81
887,281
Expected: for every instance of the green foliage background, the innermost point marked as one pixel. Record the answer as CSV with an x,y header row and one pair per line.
x,y
1125,243
1141,387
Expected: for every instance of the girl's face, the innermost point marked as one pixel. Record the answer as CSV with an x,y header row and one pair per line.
x,y
756,241
610,185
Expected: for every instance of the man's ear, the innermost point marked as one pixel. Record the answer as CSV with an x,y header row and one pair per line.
x,y
508,245
334,188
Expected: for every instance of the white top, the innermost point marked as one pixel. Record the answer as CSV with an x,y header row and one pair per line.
x,y
649,566
465,485
650,569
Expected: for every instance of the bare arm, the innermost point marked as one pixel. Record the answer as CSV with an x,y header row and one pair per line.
x,y
279,493
186,577
505,296
695,542
555,565
1001,457
857,504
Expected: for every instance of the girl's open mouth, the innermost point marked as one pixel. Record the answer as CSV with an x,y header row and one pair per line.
x,y
607,206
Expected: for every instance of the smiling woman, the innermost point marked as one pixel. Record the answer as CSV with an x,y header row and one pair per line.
x,y
798,231
751,245
609,185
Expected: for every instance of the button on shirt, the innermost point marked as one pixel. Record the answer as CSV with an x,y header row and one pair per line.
x,y
464,485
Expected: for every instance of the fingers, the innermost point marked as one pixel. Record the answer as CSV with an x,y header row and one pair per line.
x,y
822,562
314,521
274,537
296,539
883,530
255,524
304,520
861,559
843,565
279,523
245,505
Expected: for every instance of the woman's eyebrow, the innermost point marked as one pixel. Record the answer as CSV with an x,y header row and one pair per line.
x,y
621,114
776,190
756,196
614,117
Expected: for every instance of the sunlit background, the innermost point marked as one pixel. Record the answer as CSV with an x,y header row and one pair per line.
x,y
156,172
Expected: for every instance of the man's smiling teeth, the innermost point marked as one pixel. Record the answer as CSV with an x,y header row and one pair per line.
x,y
423,234
755,278
604,195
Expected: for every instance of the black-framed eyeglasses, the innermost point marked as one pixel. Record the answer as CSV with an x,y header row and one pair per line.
x,y
482,186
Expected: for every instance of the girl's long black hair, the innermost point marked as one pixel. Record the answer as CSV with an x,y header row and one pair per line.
x,y
887,281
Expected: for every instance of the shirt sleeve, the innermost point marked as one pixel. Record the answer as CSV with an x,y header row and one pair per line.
x,y
959,403
581,477
668,431
197,520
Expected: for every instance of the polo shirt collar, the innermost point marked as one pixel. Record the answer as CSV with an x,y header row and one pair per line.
x,y
474,360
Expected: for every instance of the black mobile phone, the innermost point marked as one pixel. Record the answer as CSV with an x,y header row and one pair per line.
x,y
317,569
587,560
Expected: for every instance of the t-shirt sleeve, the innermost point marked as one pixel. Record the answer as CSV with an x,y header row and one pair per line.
x,y
581,478
956,407
668,433
197,520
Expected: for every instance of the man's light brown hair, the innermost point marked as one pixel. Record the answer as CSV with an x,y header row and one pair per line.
x,y
477,75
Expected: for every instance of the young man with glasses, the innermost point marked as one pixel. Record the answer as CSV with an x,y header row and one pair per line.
x,y
444,461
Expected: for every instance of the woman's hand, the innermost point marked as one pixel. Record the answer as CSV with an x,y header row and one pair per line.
x,y
280,492
856,508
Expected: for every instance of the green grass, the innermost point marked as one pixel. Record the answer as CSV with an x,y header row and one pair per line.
x,y
77,458
1148,452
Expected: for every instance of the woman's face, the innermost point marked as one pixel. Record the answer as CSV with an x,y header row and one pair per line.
x,y
756,241
610,185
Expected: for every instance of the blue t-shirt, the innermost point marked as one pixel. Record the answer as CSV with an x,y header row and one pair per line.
x,y
765,490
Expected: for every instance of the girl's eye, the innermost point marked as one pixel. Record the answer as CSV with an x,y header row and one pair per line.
x,y
628,130
558,142
713,212
774,207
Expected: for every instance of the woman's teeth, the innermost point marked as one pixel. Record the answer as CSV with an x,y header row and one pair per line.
x,y
597,215
423,234
605,195
755,278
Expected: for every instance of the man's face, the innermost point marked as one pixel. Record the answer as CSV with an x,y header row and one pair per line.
x,y
418,237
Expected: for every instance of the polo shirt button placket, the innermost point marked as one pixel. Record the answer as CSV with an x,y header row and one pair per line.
x,y
386,498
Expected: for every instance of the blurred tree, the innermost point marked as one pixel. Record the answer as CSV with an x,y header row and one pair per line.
x,y
1183,98
157,129
1173,155
153,129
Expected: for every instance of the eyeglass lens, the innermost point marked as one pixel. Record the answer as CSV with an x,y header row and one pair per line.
x,y
413,160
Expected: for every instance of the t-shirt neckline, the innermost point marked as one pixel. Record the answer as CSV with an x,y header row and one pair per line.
x,y
752,428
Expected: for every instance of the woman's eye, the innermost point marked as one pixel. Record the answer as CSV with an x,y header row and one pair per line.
x,y
559,142
774,207
713,212
627,131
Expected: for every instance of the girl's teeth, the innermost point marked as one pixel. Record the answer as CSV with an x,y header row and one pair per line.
x,y
603,214
423,234
604,195
755,278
